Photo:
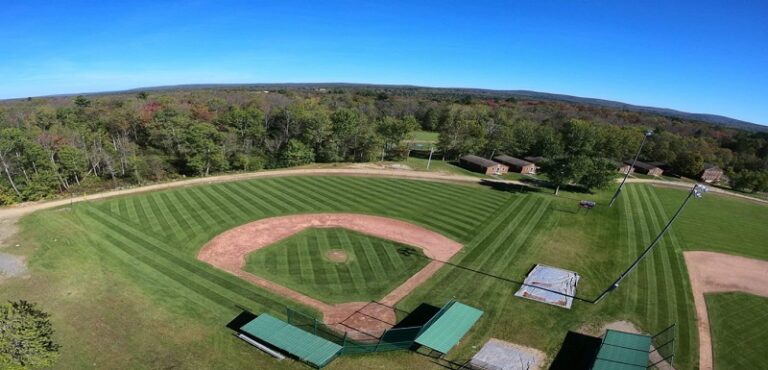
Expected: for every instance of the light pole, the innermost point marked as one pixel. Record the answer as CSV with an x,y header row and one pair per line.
x,y
618,191
696,192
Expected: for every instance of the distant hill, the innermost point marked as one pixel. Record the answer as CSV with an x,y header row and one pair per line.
x,y
461,92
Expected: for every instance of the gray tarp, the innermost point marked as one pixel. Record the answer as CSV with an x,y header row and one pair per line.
x,y
550,285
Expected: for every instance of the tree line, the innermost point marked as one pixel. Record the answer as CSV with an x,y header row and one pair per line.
x,y
62,144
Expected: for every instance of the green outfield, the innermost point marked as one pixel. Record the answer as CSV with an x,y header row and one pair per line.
x,y
126,291
739,325
368,269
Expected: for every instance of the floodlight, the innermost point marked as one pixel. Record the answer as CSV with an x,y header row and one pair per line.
x,y
648,133
699,190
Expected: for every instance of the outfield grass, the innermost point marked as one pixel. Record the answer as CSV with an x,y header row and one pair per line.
x,y
374,266
121,278
739,325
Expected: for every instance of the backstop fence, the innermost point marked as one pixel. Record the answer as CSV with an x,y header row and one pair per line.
x,y
664,346
394,339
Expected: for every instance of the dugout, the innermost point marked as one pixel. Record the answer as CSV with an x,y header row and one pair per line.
x,y
448,326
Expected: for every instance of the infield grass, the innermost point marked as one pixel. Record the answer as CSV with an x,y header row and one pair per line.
x,y
126,291
739,324
373,268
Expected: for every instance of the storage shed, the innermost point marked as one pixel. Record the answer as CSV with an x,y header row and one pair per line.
x,y
646,168
711,173
516,164
482,165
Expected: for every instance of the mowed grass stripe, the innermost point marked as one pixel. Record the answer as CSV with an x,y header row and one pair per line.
x,y
159,249
355,244
518,226
231,200
482,199
180,224
630,300
659,257
414,199
305,193
668,260
162,219
643,272
454,274
189,205
223,214
259,189
240,193
685,314
150,258
510,241
492,238
290,204
464,207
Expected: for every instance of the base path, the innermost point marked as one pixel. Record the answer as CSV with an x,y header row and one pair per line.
x,y
228,252
712,272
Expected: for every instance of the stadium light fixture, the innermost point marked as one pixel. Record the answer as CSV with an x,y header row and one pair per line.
x,y
697,191
626,175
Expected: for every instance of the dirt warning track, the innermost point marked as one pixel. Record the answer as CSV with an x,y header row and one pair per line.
x,y
228,252
712,272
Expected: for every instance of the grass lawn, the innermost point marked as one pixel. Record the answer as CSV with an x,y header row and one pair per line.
x,y
739,324
438,165
423,136
126,291
373,268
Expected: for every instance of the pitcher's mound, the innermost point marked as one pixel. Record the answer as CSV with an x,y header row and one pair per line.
x,y
337,255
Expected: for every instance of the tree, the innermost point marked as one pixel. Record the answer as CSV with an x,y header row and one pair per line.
x,y
394,130
579,138
10,142
296,153
82,102
72,162
564,170
598,174
751,181
26,337
688,163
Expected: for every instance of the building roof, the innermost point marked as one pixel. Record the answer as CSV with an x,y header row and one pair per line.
x,y
710,166
307,347
505,159
534,159
623,351
643,165
479,160
448,326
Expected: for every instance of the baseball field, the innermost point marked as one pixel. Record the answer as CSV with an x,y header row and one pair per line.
x,y
126,289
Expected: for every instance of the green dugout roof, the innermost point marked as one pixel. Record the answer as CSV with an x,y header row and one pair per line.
x,y
307,347
623,351
448,326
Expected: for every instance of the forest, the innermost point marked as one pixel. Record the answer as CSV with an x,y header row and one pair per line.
x,y
57,145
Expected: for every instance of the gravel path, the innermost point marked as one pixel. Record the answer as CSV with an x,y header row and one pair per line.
x,y
712,272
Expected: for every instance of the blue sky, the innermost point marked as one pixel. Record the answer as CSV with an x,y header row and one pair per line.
x,y
697,56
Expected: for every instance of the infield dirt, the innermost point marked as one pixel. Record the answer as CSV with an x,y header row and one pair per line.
x,y
361,320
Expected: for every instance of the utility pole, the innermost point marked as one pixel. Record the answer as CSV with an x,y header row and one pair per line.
x,y
696,192
626,175
431,150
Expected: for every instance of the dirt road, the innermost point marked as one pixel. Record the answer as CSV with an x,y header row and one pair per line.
x,y
9,215
712,272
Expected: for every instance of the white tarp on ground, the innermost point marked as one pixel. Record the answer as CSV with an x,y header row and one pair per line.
x,y
500,355
550,285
